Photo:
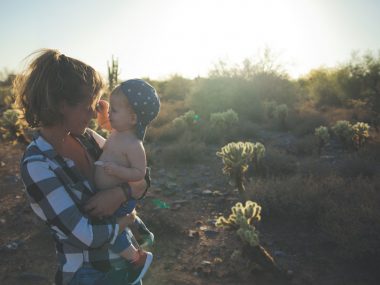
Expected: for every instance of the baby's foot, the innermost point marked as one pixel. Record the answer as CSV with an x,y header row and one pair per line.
x,y
139,267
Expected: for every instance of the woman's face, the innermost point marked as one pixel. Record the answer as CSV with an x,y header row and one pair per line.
x,y
76,118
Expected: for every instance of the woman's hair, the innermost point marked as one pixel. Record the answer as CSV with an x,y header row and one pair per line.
x,y
50,79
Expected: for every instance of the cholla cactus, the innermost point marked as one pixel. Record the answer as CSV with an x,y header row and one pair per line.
x,y
185,121
236,157
360,134
258,155
242,219
322,133
343,130
12,127
224,120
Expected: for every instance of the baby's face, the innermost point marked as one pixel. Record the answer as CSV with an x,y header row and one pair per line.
x,y
122,117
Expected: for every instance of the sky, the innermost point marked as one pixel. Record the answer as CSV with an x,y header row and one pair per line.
x,y
160,38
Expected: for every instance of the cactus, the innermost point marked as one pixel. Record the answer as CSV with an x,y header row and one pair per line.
x,y
343,130
242,219
235,157
13,127
360,134
224,120
258,155
113,73
322,133
187,121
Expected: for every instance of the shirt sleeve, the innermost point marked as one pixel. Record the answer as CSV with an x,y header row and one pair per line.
x,y
50,200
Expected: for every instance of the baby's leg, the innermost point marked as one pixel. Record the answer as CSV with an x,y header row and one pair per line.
x,y
140,260
130,253
143,235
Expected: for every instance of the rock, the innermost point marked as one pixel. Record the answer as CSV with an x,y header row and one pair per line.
x,y
206,262
279,253
211,233
193,234
12,245
207,192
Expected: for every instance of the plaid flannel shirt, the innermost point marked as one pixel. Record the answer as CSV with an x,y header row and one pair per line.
x,y
56,192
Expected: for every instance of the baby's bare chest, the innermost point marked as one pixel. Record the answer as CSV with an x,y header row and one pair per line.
x,y
114,151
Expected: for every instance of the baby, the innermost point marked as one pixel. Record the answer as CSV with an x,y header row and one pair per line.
x,y
133,105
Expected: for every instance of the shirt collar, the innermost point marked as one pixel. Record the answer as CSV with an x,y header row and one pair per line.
x,y
44,145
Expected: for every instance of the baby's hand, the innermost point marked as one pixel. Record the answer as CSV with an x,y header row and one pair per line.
x,y
110,167
102,114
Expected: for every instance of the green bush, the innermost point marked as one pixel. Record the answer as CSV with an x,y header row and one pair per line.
x,y
277,163
343,130
186,149
345,210
12,127
323,136
221,126
281,113
360,134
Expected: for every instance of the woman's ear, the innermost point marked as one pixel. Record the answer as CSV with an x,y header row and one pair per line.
x,y
62,106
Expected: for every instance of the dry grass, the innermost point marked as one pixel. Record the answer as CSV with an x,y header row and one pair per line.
x,y
345,210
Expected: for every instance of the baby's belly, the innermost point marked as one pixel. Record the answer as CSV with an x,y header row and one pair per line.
x,y
102,179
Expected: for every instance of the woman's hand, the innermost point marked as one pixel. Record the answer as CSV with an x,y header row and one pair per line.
x,y
102,115
105,203
126,221
138,188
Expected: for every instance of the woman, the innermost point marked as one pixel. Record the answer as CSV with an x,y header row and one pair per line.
x,y
59,95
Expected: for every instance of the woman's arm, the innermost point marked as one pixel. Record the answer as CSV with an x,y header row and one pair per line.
x,y
52,203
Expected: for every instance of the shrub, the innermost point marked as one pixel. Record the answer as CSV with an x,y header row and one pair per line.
x,y
279,163
345,210
323,136
343,130
351,217
186,149
222,125
186,121
356,165
270,108
282,114
304,122
12,127
360,134
305,145
6,97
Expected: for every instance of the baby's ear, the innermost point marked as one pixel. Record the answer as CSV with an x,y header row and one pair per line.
x,y
134,119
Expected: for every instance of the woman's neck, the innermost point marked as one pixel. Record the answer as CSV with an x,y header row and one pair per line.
x,y
56,136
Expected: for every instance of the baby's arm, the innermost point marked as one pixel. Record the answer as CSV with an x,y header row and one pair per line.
x,y
136,156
